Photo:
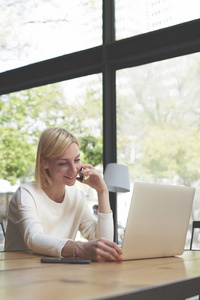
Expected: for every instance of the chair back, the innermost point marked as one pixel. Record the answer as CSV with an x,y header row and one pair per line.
x,y
195,224
2,226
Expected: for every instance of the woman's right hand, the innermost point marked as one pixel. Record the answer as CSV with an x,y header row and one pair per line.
x,y
100,249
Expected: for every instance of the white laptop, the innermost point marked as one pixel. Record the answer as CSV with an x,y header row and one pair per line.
x,y
158,221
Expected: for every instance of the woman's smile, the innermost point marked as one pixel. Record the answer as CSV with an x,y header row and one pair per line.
x,y
69,177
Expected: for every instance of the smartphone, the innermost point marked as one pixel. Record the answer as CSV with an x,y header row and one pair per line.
x,y
81,176
64,260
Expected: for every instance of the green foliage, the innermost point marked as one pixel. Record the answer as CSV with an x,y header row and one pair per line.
x,y
168,153
158,121
16,155
21,116
91,147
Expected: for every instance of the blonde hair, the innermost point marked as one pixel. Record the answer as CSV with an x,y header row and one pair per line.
x,y
52,143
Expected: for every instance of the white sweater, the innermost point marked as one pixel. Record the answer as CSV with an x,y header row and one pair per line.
x,y
37,223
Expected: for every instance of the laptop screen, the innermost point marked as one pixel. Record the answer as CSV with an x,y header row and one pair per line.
x,y
158,221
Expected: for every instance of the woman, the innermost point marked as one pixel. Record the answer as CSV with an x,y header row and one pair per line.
x,y
45,215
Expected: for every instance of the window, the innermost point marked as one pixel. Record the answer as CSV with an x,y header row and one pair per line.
x,y
35,30
134,17
158,130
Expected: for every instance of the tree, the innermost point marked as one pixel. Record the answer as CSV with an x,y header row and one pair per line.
x,y
172,154
84,119
158,120
16,155
22,116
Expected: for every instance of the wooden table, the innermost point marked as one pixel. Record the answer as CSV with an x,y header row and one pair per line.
x,y
23,276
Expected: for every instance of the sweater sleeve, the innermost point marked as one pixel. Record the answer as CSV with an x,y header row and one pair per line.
x,y
92,229
105,226
24,223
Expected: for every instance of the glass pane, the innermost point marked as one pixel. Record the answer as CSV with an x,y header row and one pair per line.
x,y
35,30
75,105
158,129
134,17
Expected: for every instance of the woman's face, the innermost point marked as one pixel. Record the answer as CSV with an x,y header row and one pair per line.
x,y
64,168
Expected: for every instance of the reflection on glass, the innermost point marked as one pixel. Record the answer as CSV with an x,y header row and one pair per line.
x,y
134,17
158,129
36,30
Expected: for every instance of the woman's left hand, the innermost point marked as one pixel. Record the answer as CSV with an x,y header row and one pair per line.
x,y
93,178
